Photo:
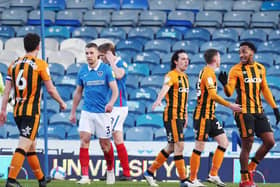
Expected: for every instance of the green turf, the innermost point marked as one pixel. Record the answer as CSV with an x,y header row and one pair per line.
x,y
33,183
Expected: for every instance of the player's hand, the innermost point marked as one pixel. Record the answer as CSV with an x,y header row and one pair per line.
x,y
72,119
235,107
155,104
63,106
223,77
109,108
3,118
186,122
110,57
277,115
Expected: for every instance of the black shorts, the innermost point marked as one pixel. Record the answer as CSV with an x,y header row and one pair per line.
x,y
205,128
174,130
28,126
250,124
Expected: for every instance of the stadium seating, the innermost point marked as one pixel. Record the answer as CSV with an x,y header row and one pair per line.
x,y
149,58
254,35
85,33
12,131
66,58
244,5
73,133
163,5
3,132
129,121
154,82
188,134
108,4
7,56
158,46
97,18
199,35
227,35
136,107
54,5
81,5
22,31
16,45
75,46
270,6
152,18
135,4
139,70
160,135
69,18
54,132
15,17
180,18
124,18
73,69
265,20
218,5
113,32
188,46
139,134
208,19
6,32
161,70
147,95
129,45
141,33
34,17
57,32
190,5
237,19
169,34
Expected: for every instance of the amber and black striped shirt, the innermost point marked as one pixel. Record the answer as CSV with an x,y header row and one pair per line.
x,y
207,95
177,96
249,80
26,74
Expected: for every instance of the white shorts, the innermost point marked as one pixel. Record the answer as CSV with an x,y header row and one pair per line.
x,y
118,116
96,123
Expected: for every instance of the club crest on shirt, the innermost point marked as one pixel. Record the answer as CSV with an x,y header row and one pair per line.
x,y
100,73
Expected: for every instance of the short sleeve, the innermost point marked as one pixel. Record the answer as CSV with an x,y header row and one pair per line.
x,y
123,64
44,71
210,80
110,74
168,79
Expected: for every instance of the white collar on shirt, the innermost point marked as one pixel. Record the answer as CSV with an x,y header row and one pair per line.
x,y
96,68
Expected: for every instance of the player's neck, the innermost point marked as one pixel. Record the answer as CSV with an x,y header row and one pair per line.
x,y
32,53
212,66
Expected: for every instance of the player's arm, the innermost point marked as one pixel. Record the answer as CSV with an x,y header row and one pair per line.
x,y
119,71
54,94
160,96
186,112
229,83
115,93
5,99
76,100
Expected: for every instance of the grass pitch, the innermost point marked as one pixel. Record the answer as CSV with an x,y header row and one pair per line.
x,y
66,183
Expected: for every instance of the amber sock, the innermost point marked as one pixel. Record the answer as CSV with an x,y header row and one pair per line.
x,y
253,164
217,160
16,163
180,166
160,159
194,164
35,165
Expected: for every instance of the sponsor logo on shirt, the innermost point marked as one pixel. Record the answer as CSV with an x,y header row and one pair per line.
x,y
95,83
253,80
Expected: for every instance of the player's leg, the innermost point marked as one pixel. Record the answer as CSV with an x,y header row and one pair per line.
x,y
104,133
85,129
118,116
264,131
245,123
219,135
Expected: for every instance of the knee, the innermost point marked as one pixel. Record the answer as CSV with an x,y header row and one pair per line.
x,y
224,144
85,142
118,138
105,147
269,144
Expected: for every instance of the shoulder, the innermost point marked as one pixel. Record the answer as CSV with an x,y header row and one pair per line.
x,y
259,65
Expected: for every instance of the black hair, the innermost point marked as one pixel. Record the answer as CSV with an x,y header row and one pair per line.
x,y
31,41
89,45
209,54
250,45
175,57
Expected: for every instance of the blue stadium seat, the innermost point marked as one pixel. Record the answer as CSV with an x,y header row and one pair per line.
x,y
180,18
4,5
51,44
60,119
86,33
113,32
192,102
73,69
194,69
270,47
158,46
142,34
3,70
54,5
14,17
254,35
198,59
58,32
277,135
272,36
7,56
188,134
15,44
81,5
6,32
150,58
270,6
107,4
166,58
223,113
187,45
66,87
237,19
54,132
169,34
218,5
129,121
97,18
69,104
139,134
12,131
190,5
69,18
34,17
10,118
152,18
76,46
162,5
52,107
140,70
26,5
158,110
265,20
161,70
244,5
57,71
136,107
234,48
226,34
73,133
124,18
22,31
126,55
265,59
208,19
132,45
154,82
272,80
230,58
218,45
276,148
135,4
160,134
3,132
143,94
132,81
199,35
150,120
